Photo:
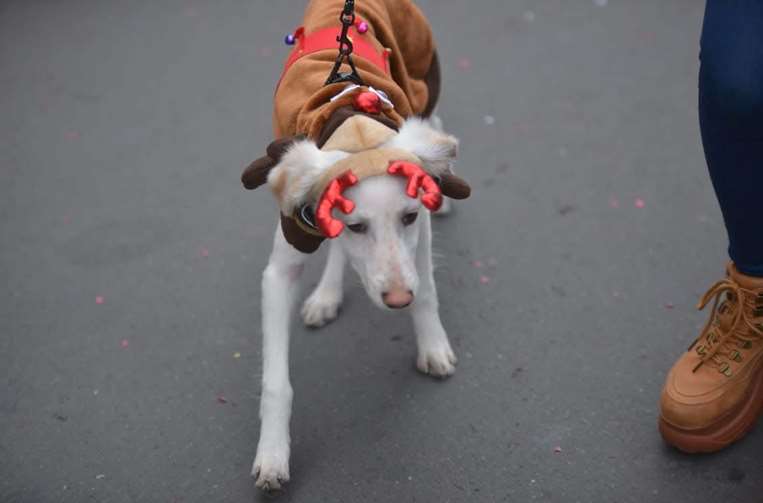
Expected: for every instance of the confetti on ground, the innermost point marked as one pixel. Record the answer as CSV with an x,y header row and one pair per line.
x,y
670,305
221,399
72,135
124,343
100,476
464,63
477,263
489,120
614,202
204,252
484,279
528,16
557,450
99,299
236,355
639,203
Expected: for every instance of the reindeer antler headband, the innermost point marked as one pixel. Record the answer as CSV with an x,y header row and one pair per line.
x,y
307,200
333,197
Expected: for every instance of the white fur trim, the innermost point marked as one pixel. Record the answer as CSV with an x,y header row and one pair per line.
x,y
435,148
302,165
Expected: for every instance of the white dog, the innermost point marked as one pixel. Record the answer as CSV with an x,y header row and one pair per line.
x,y
388,241
355,142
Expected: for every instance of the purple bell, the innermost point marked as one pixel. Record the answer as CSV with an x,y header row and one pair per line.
x,y
290,39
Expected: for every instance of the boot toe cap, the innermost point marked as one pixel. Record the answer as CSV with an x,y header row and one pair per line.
x,y
696,401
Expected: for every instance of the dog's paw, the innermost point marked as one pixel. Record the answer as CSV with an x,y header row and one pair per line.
x,y
270,471
437,361
321,308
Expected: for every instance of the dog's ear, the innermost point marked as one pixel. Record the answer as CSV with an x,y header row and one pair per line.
x,y
437,151
256,173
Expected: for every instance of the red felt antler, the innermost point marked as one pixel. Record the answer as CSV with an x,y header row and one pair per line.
x,y
418,179
332,198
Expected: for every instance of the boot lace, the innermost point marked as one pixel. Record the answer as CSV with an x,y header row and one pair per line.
x,y
718,345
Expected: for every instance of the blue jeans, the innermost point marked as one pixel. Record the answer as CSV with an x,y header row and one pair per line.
x,y
731,120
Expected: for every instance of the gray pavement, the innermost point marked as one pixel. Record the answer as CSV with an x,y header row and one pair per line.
x,y
130,260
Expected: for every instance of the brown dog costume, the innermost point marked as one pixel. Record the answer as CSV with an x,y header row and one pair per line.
x,y
395,56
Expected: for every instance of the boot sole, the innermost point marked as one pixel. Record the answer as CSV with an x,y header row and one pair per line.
x,y
727,431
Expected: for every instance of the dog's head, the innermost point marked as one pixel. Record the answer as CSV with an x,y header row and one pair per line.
x,y
368,187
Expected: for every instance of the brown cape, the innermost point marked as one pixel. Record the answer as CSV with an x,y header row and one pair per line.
x,y
302,101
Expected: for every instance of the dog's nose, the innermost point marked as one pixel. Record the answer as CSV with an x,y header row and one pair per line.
x,y
397,298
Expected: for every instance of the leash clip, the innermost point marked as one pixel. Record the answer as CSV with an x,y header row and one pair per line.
x,y
347,18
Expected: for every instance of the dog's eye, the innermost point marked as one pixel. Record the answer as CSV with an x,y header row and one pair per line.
x,y
409,218
360,228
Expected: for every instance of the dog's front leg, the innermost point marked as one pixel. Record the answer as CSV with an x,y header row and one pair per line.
x,y
435,356
322,306
280,286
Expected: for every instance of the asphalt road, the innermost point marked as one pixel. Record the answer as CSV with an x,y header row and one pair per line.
x,y
130,260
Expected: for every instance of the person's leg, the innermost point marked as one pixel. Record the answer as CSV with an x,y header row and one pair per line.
x,y
714,393
731,120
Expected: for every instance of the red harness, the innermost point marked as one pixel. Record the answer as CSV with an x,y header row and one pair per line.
x,y
326,39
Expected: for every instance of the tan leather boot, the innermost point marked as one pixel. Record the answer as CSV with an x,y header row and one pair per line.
x,y
713,395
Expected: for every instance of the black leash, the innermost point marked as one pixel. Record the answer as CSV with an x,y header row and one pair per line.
x,y
347,17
